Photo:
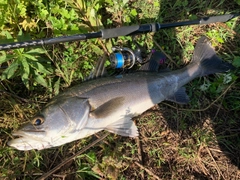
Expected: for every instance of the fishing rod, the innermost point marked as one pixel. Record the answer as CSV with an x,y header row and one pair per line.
x,y
123,57
115,32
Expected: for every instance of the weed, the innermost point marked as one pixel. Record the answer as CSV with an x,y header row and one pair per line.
x,y
26,65
177,141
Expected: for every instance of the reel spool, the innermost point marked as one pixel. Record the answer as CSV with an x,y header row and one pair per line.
x,y
122,58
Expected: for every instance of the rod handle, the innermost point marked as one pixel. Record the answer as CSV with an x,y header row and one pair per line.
x,y
130,30
214,19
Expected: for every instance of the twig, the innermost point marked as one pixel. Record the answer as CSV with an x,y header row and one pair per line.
x,y
147,170
54,175
218,108
139,150
204,169
54,159
216,150
106,142
49,173
217,168
232,31
14,95
139,145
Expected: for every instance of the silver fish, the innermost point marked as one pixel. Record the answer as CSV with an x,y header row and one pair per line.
x,y
109,103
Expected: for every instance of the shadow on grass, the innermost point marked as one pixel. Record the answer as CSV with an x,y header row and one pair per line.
x,y
224,114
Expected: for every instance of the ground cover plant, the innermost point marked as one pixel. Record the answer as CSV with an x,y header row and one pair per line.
x,y
200,140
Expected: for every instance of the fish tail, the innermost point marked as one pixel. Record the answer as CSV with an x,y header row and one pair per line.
x,y
206,57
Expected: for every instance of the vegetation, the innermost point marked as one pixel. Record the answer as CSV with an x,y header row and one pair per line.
x,y
200,140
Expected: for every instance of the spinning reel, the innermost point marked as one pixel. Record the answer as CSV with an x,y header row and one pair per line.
x,y
123,57
126,58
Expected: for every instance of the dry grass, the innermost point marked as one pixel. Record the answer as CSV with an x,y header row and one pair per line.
x,y
196,141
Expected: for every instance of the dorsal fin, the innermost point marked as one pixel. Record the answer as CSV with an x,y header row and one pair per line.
x,y
157,59
99,70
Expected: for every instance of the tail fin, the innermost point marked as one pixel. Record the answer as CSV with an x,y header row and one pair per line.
x,y
210,63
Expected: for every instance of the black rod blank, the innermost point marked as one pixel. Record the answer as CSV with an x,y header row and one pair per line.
x,y
115,32
42,42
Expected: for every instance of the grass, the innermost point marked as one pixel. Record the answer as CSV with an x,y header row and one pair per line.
x,y
195,141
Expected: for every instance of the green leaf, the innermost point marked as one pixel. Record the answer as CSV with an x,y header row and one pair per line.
x,y
40,80
236,61
20,33
92,157
43,14
25,72
96,49
11,57
74,27
39,67
134,12
3,57
10,71
19,51
92,13
21,7
7,34
56,87
110,2
238,2
125,2
25,66
219,39
30,57
37,50
156,4
25,79
65,13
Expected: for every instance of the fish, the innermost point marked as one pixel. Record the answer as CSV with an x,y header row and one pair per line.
x,y
109,103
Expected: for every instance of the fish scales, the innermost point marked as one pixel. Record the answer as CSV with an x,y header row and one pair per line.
x,y
109,103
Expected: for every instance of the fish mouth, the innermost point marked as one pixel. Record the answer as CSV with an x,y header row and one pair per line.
x,y
26,141
32,134
26,132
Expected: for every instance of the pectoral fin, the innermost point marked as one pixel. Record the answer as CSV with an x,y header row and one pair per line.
x,y
123,127
179,97
108,107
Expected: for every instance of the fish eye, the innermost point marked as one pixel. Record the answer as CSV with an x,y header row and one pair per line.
x,y
38,121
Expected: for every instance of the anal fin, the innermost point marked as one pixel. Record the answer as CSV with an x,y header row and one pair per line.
x,y
179,97
123,127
